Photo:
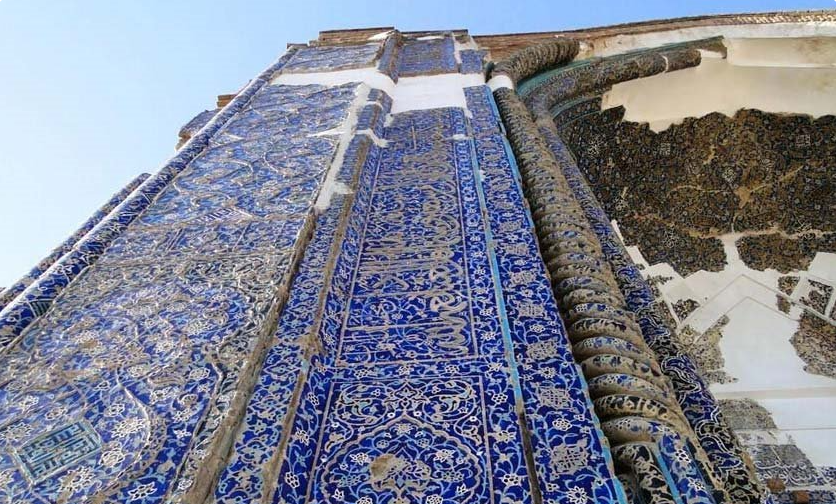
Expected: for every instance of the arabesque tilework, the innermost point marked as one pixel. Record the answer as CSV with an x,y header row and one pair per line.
x,y
319,59
414,397
427,56
136,369
319,301
258,444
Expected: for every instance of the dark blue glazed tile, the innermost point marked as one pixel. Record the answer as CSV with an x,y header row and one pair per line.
x,y
368,433
473,61
319,59
427,57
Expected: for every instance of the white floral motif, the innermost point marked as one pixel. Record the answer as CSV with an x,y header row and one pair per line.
x,y
682,456
5,478
360,458
292,480
504,436
196,326
56,412
141,491
27,402
198,374
76,480
561,424
403,428
443,455
577,495
301,436
113,456
511,479
130,426
16,433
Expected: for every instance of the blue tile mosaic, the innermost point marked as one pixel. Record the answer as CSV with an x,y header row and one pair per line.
x,y
148,347
414,396
388,63
424,409
286,367
428,432
432,55
473,61
324,59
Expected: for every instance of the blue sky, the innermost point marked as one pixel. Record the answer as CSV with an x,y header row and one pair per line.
x,y
93,92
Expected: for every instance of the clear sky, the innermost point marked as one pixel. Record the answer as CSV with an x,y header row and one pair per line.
x,y
93,92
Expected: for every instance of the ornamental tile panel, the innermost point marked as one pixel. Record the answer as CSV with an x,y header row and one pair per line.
x,y
425,432
134,373
258,445
319,59
473,61
427,57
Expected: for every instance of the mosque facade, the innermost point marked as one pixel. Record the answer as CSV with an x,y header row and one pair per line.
x,y
593,266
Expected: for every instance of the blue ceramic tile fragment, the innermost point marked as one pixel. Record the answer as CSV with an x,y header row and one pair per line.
x,y
473,61
322,59
433,55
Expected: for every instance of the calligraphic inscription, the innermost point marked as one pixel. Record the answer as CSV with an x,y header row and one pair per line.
x,y
51,452
421,285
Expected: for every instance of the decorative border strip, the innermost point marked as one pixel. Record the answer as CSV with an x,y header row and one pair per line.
x,y
571,458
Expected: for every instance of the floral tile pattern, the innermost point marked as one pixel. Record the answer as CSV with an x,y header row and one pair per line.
x,y
134,372
569,449
257,445
413,399
473,61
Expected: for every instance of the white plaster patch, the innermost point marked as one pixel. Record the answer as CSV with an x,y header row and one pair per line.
x,y
609,46
808,420
500,81
381,35
369,76
433,91
766,74
756,345
824,266
330,185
